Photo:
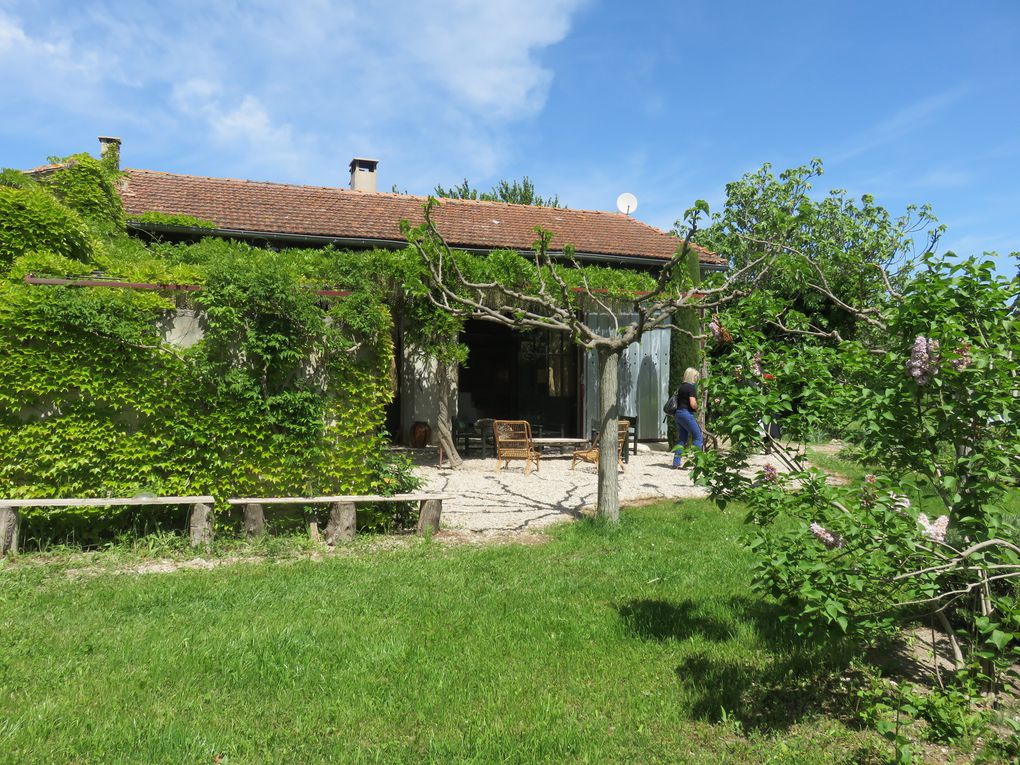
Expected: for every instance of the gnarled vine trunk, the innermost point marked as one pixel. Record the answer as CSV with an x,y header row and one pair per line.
x,y
445,374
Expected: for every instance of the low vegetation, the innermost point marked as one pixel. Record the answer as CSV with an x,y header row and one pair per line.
x,y
636,644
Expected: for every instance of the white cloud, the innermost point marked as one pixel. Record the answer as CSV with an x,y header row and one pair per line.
x,y
283,89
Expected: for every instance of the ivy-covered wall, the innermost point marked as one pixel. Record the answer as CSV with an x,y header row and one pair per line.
x,y
284,394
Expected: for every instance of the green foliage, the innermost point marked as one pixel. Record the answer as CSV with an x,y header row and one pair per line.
x,y
32,220
16,179
649,623
284,392
511,192
171,219
684,347
939,418
835,242
86,185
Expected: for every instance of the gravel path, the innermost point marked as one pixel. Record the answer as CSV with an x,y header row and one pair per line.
x,y
488,501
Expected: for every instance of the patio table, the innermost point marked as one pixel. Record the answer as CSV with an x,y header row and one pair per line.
x,y
560,443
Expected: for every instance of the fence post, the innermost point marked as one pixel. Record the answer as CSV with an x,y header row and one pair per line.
x,y
313,524
254,520
343,522
429,515
9,522
201,531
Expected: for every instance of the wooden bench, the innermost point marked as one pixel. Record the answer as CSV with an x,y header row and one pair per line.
x,y
199,523
342,522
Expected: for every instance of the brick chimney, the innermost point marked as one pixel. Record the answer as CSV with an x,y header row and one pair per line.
x,y
363,174
109,151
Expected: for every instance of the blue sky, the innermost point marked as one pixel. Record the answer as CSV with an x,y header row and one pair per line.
x,y
913,101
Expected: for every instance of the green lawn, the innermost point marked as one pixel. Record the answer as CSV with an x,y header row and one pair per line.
x,y
641,644
926,498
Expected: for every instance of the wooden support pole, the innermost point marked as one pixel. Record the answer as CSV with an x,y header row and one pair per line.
x,y
254,520
343,522
429,515
9,522
313,525
201,529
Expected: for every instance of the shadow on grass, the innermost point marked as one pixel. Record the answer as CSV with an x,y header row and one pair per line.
x,y
769,686
659,620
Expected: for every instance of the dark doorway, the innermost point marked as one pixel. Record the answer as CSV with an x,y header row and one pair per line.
x,y
520,376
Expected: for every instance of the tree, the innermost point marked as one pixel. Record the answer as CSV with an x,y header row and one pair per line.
x,y
845,245
915,364
512,193
541,293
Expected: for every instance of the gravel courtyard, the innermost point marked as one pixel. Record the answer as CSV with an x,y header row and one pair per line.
x,y
487,501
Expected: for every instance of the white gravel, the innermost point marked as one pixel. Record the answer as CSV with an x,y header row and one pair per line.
x,y
488,501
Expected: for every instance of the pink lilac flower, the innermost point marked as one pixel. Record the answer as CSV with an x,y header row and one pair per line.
x,y
756,364
935,531
963,358
770,473
924,360
827,538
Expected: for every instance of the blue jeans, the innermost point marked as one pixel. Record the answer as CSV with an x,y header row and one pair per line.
x,y
687,430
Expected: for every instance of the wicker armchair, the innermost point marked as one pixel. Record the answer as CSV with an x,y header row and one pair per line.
x,y
513,442
591,453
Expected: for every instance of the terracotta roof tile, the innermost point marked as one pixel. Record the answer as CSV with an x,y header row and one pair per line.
x,y
332,212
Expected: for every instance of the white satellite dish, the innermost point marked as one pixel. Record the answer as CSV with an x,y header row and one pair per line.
x,y
626,203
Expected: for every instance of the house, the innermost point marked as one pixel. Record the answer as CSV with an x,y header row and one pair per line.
x,y
539,376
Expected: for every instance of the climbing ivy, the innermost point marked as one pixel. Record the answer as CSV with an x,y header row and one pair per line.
x,y
170,219
87,186
283,391
33,220
280,390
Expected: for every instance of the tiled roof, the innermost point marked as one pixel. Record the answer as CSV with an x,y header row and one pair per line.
x,y
276,208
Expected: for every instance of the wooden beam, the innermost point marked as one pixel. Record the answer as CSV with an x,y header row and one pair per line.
x,y
105,501
356,499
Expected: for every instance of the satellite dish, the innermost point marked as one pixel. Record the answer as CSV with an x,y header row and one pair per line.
x,y
626,203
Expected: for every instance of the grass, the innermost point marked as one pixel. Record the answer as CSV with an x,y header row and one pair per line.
x,y
640,644
924,496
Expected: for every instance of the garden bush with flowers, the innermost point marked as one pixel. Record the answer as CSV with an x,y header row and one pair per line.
x,y
924,386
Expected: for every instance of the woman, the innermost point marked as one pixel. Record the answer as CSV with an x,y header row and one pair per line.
x,y
686,405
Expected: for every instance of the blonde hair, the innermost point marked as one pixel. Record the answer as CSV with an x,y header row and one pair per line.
x,y
691,375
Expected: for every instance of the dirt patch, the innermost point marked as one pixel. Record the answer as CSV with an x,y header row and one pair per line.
x,y
467,537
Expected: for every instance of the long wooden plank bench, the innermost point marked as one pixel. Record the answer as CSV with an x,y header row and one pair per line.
x,y
342,522
199,522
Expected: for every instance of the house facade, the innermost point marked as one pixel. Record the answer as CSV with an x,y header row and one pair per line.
x,y
539,376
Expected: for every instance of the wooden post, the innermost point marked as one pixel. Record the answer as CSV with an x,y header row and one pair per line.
x,y
429,515
313,525
254,520
201,530
343,522
9,521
